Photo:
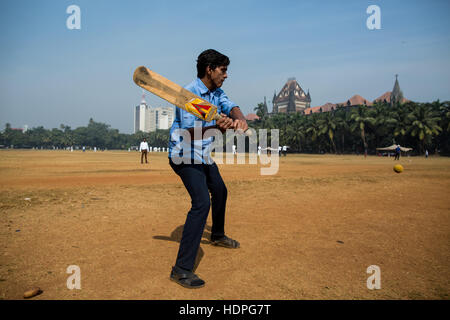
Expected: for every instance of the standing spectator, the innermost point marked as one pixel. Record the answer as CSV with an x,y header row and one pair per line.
x,y
143,148
397,153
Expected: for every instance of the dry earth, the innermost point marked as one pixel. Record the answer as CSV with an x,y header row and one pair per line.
x,y
308,232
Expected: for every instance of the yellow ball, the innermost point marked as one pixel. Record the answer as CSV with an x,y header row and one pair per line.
x,y
398,168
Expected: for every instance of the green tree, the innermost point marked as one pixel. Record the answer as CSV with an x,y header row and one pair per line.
x,y
400,121
313,131
7,134
424,125
361,119
296,131
343,125
383,123
327,126
261,113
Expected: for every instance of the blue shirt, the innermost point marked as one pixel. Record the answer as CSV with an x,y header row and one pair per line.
x,y
198,150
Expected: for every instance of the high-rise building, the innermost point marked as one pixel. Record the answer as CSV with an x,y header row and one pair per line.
x,y
165,117
160,118
141,116
148,119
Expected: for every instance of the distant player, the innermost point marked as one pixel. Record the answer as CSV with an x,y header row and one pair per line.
x,y
397,153
143,148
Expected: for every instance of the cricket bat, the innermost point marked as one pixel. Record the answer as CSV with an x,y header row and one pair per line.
x,y
176,95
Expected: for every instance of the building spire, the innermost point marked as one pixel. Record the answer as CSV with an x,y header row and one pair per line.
x,y
143,97
397,94
266,110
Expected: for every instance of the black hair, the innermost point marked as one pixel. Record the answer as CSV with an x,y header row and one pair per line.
x,y
211,58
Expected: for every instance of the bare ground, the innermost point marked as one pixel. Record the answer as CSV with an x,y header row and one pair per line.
x,y
308,232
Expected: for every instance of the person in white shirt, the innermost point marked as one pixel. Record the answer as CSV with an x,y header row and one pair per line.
x,y
284,150
143,148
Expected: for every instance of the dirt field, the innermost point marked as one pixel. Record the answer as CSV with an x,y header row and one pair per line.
x,y
309,232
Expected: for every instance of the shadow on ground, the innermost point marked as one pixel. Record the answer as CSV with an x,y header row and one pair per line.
x,y
176,234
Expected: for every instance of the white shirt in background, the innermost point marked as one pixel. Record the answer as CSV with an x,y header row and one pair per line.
x,y
143,146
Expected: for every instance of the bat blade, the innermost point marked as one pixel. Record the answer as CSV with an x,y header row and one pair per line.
x,y
175,94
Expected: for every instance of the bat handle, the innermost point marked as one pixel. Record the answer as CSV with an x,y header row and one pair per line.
x,y
247,132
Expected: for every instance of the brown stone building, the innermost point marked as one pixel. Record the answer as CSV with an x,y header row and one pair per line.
x,y
292,98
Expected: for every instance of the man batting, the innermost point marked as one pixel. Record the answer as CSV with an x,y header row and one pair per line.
x,y
200,177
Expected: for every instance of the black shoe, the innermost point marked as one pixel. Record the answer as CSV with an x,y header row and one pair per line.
x,y
185,278
226,242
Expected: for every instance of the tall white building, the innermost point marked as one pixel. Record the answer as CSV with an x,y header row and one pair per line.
x,y
149,119
141,116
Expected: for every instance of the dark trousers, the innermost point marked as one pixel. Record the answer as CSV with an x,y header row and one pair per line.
x,y
200,180
143,154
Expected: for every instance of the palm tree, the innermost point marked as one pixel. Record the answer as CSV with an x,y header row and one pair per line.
x,y
261,113
382,122
361,118
313,129
444,111
279,122
295,131
400,119
327,126
443,141
343,124
424,125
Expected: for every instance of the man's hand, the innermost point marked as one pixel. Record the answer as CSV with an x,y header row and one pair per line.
x,y
240,125
224,123
239,122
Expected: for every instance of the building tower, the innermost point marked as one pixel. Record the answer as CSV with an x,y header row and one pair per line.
x,y
397,94
266,110
141,114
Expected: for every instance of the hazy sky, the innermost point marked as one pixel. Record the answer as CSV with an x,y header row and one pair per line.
x,y
51,75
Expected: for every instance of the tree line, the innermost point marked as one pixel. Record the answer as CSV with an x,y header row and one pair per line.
x,y
95,134
421,126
